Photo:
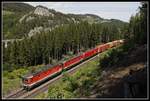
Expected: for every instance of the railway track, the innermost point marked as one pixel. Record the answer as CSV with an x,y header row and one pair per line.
x,y
16,94
44,87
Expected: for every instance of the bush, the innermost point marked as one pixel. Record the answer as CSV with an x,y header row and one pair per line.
x,y
76,85
58,92
129,44
5,73
6,66
41,96
9,85
12,80
112,57
71,83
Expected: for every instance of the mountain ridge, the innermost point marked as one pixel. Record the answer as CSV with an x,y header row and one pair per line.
x,y
30,17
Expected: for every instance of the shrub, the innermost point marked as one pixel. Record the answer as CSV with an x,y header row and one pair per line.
x,y
111,57
58,92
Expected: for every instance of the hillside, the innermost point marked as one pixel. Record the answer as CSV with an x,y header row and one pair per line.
x,y
20,19
17,7
50,37
114,84
93,81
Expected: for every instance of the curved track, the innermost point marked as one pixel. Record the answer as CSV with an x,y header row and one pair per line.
x,y
44,87
17,94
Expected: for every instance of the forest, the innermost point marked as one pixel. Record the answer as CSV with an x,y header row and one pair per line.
x,y
71,39
47,46
135,35
85,81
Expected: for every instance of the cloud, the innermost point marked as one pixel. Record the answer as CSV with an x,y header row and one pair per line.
x,y
119,10
55,5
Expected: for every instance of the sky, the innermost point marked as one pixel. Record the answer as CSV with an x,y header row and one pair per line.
x,y
107,10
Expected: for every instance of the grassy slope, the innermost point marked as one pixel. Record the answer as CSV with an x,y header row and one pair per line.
x,y
12,81
112,83
63,87
4,12
91,82
82,83
12,12
76,85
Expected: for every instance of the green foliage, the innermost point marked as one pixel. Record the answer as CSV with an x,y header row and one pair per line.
x,y
57,92
15,73
111,57
64,40
41,96
17,7
78,84
46,47
137,30
135,34
6,66
9,25
71,83
12,12
71,86
9,85
4,12
12,80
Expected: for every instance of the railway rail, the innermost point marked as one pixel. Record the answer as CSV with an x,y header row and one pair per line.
x,y
17,94
41,88
44,87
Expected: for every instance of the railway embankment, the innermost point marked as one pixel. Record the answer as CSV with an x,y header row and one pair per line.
x,y
94,80
126,79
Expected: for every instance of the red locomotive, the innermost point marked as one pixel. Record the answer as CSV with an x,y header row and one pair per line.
x,y
32,80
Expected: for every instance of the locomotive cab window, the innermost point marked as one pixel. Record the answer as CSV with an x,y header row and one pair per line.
x,y
26,80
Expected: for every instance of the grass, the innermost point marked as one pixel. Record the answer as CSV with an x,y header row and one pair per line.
x,y
75,85
4,12
79,84
12,80
67,87
9,85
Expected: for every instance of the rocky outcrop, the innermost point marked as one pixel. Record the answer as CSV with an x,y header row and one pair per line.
x,y
22,18
35,31
29,18
38,30
42,11
25,17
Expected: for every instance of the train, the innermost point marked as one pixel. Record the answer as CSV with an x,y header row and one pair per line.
x,y
33,80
